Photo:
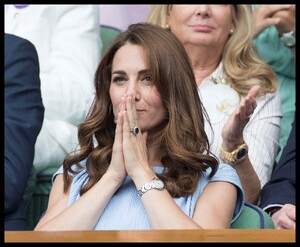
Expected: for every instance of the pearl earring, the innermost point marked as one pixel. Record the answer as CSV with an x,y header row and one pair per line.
x,y
231,31
167,26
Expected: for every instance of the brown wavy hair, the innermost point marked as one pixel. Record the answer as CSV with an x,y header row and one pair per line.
x,y
183,141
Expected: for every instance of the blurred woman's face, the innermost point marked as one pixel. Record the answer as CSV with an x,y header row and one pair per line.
x,y
201,25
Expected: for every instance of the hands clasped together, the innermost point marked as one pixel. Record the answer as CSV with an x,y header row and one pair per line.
x,y
129,154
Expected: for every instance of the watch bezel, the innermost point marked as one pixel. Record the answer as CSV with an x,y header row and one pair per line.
x,y
236,156
241,153
288,39
158,184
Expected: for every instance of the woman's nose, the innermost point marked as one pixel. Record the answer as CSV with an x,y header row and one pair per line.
x,y
202,10
133,89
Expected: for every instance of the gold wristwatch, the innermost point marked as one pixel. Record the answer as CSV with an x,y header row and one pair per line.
x,y
236,156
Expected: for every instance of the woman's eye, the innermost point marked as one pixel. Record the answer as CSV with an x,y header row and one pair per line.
x,y
148,79
118,79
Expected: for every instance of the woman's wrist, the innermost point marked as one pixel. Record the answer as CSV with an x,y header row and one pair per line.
x,y
235,156
229,146
142,177
272,211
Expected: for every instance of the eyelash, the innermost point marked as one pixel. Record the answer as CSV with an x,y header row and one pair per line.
x,y
149,77
118,79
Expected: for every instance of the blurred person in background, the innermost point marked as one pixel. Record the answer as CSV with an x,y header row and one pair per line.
x,y
23,118
67,40
278,196
275,41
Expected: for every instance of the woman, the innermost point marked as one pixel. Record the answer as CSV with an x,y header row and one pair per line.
x,y
232,83
144,159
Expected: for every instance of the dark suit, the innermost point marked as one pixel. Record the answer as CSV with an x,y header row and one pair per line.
x,y
281,188
24,112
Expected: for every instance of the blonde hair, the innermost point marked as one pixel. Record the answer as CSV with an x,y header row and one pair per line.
x,y
242,64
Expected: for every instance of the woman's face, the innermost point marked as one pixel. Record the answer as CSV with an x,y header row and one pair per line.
x,y
201,25
130,75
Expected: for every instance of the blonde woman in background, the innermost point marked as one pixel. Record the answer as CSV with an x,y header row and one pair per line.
x,y
238,89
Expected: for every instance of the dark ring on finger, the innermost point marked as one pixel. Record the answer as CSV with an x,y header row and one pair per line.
x,y
135,130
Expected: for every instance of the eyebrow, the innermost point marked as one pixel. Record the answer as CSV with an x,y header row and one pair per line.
x,y
141,72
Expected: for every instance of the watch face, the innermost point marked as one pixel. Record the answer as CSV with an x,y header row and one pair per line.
x,y
289,40
241,153
158,184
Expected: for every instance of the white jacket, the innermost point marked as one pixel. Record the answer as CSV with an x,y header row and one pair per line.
x,y
67,39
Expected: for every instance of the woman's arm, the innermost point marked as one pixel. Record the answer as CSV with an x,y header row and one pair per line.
x,y
214,209
84,213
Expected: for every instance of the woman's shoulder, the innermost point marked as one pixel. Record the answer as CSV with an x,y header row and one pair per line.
x,y
78,169
227,173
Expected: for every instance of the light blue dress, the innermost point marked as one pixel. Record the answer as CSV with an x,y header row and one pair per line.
x,y
125,210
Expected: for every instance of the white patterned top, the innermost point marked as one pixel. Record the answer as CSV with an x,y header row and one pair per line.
x,y
262,131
